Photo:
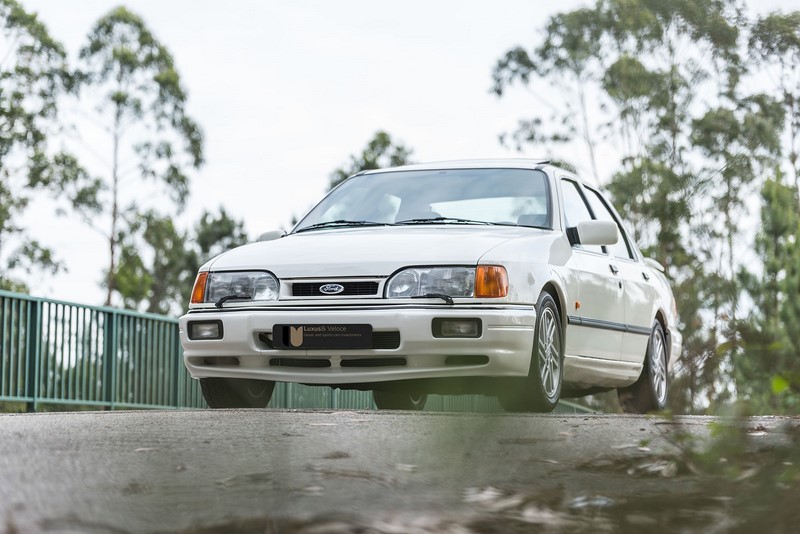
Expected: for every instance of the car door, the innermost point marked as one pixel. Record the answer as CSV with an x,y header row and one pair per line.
x,y
638,290
596,318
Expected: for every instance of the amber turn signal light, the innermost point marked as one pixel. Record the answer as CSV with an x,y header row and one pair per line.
x,y
491,281
199,289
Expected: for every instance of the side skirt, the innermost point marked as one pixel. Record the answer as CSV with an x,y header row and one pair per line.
x,y
584,373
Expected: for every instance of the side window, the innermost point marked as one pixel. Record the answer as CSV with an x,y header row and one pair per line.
x,y
601,211
576,210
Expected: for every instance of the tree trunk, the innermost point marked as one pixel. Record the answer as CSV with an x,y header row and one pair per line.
x,y
111,280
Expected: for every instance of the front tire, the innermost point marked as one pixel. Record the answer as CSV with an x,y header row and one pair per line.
x,y
399,400
542,389
236,392
649,393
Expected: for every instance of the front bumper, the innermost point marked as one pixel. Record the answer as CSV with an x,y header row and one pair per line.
x,y
503,349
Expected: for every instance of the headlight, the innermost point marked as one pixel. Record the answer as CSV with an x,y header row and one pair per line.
x,y
419,281
244,285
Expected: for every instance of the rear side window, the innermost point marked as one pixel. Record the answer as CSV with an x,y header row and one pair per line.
x,y
576,210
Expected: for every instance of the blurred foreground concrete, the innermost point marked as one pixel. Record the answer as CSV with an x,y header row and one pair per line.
x,y
367,471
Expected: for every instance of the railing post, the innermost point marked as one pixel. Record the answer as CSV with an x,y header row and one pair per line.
x,y
33,331
177,370
109,357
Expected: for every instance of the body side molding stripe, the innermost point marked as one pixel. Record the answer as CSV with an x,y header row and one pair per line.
x,y
607,325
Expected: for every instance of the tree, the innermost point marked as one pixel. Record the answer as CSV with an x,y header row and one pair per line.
x,y
769,365
771,335
153,269
158,262
659,84
214,234
569,60
33,75
380,152
775,42
142,108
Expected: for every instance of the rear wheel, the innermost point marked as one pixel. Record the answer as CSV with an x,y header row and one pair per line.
x,y
541,390
649,393
236,392
399,400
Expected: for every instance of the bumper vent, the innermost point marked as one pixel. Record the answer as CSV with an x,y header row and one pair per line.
x,y
380,340
374,362
466,360
298,362
351,289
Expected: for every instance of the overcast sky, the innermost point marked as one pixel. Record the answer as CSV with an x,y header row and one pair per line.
x,y
286,91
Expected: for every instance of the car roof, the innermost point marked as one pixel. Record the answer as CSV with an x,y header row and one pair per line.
x,y
495,163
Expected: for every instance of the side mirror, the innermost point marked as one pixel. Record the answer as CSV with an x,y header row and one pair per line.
x,y
594,233
271,236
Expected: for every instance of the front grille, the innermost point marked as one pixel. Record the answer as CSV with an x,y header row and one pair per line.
x,y
374,362
351,289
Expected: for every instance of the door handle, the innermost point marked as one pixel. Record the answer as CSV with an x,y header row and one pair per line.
x,y
614,268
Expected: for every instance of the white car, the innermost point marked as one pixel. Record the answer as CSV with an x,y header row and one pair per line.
x,y
512,278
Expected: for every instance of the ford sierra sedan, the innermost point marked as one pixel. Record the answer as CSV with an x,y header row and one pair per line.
x,y
512,278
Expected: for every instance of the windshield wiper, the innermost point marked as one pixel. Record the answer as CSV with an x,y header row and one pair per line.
x,y
226,298
445,220
339,222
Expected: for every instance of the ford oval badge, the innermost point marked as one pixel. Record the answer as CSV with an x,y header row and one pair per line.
x,y
331,289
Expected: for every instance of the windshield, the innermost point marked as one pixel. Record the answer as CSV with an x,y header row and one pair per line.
x,y
451,196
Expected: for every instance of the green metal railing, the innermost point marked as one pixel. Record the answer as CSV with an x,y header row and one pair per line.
x,y
54,352
61,353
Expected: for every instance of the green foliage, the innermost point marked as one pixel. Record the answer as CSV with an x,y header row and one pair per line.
x,y
661,81
214,234
380,152
140,91
33,75
158,262
775,41
769,370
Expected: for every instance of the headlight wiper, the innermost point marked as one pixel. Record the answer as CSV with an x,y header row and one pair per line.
x,y
444,220
226,298
446,298
339,222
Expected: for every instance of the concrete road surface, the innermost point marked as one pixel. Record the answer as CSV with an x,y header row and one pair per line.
x,y
393,472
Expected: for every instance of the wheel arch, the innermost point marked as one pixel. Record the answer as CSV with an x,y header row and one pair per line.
x,y
661,317
558,295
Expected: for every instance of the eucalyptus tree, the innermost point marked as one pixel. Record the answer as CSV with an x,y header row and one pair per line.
x,y
775,43
381,151
141,107
214,233
769,369
634,80
569,59
153,271
158,261
770,365
33,75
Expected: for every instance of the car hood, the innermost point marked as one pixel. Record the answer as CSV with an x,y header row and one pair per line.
x,y
374,251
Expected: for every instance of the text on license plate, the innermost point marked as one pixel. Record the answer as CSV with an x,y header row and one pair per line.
x,y
322,336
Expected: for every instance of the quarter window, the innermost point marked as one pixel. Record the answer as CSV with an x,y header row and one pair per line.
x,y
620,249
576,210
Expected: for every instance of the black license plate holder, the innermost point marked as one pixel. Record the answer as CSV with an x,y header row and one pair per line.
x,y
322,336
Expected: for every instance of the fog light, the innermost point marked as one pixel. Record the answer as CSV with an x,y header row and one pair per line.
x,y
205,330
456,328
